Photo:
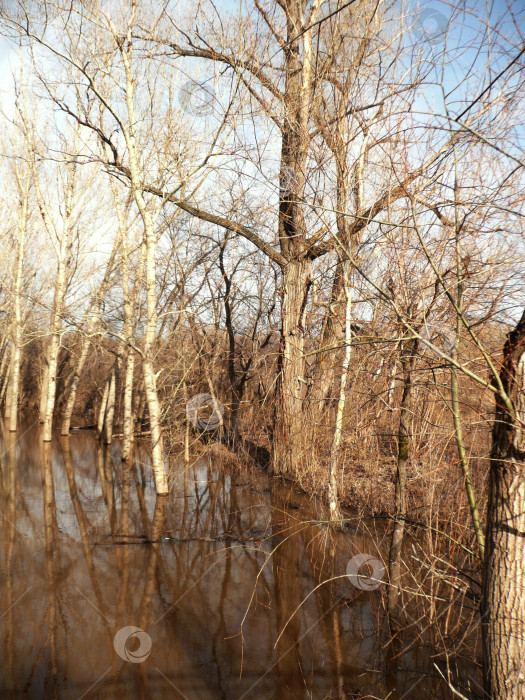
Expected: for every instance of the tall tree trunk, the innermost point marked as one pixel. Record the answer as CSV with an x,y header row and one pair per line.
x,y
63,249
61,283
139,405
408,360
150,385
49,401
110,407
233,380
334,322
333,495
9,393
503,603
43,386
102,409
289,429
289,435
333,330
127,330
150,382
17,312
127,421
71,399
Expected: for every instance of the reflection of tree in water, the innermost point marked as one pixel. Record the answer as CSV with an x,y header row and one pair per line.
x,y
9,495
227,578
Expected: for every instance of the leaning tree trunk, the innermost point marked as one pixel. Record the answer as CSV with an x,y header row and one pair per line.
x,y
503,602
93,314
110,407
4,369
75,383
102,409
289,435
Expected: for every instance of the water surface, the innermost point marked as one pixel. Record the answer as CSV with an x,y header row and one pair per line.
x,y
238,593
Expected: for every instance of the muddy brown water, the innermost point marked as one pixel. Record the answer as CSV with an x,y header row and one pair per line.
x,y
224,589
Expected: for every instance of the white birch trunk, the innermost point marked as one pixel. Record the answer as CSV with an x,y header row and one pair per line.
x,y
47,405
102,410
43,387
161,482
70,405
333,491
127,426
13,390
110,409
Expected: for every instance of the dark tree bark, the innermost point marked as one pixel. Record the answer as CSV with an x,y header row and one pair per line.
x,y
395,609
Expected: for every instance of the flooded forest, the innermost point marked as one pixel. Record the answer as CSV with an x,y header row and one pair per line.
x,y
262,349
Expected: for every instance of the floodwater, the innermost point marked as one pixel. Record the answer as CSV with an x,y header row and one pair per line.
x,y
224,589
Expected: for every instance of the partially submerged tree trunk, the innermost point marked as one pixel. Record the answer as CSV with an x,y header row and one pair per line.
x,y
503,603
137,187
289,436
47,405
127,420
395,608
75,382
130,295
54,344
333,491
